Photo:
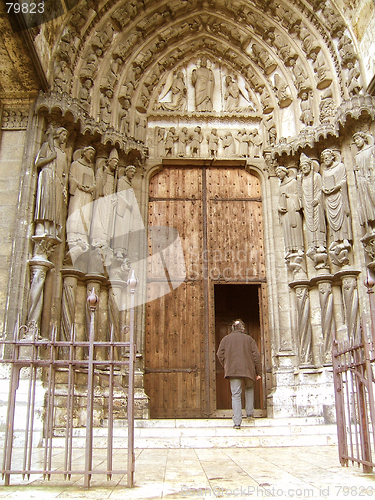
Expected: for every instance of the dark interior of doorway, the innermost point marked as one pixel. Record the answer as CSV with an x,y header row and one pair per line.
x,y
231,302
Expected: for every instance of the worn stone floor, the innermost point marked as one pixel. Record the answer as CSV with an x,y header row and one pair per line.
x,y
282,472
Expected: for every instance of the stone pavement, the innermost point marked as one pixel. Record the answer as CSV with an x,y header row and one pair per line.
x,y
243,473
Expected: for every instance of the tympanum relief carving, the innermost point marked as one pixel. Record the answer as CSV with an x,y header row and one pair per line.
x,y
204,86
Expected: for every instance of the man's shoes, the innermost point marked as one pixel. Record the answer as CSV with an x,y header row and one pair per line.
x,y
237,426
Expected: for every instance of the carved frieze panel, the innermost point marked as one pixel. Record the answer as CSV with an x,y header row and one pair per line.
x,y
220,139
14,119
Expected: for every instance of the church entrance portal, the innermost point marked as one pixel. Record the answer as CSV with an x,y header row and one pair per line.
x,y
218,214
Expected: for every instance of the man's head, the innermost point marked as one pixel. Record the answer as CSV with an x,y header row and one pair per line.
x,y
238,325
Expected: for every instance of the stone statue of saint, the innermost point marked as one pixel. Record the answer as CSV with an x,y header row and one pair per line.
x,y
301,80
106,105
85,93
178,90
213,143
228,144
336,200
270,126
282,92
263,58
51,196
62,77
307,117
290,211
170,138
313,210
204,82
365,176
103,212
82,192
182,136
244,139
322,73
352,82
124,209
255,143
195,138
231,94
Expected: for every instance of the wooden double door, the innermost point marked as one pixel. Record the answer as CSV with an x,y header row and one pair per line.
x,y
217,213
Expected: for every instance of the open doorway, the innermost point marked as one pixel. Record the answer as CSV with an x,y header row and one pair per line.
x,y
232,302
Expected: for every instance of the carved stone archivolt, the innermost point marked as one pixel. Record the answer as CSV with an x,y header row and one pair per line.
x,y
265,47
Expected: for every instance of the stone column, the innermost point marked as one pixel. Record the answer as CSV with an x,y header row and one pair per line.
x,y
304,322
116,310
94,282
351,304
328,321
39,267
68,305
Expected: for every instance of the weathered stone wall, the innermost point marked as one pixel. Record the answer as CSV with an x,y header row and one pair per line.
x,y
12,143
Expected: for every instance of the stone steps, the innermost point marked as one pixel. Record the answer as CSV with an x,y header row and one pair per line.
x,y
210,433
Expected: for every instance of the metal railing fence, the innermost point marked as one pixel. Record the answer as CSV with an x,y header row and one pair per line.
x,y
60,393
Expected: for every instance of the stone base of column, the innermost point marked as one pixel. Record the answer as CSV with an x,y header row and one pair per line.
x,y
303,392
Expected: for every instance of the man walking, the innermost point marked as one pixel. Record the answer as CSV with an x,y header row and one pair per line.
x,y
240,357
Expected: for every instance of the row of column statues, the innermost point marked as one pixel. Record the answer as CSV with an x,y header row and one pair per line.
x,y
95,216
89,222
95,206
317,200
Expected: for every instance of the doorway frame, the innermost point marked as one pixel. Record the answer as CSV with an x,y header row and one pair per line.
x,y
265,345
210,410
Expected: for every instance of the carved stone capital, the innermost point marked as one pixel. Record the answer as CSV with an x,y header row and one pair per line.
x,y
44,246
296,264
339,253
319,258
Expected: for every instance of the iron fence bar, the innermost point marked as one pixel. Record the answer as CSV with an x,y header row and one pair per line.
x,y
40,342
69,407
30,410
93,302
14,382
364,431
351,405
9,433
354,405
132,284
370,387
30,418
339,403
110,410
64,472
48,428
64,364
